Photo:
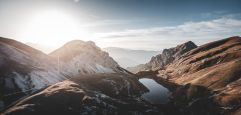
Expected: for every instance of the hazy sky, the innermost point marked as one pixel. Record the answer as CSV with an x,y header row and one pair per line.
x,y
134,24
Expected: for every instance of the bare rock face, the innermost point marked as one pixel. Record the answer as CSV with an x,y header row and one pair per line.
x,y
79,57
167,56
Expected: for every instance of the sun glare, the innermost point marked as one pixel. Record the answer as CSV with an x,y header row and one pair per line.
x,y
53,28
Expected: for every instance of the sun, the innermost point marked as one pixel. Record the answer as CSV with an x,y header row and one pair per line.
x,y
53,28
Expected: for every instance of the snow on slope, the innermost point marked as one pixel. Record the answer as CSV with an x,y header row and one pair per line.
x,y
39,66
24,70
79,57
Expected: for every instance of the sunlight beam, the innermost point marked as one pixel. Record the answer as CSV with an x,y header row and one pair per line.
x,y
53,28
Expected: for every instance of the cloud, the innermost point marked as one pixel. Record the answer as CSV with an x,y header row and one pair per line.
x,y
106,23
156,38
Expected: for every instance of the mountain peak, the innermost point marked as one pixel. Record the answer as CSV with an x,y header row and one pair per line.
x,y
79,43
215,44
80,57
234,39
189,43
74,48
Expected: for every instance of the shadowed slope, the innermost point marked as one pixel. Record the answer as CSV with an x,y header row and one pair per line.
x,y
23,70
102,94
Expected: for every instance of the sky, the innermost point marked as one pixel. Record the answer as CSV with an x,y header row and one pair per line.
x,y
132,24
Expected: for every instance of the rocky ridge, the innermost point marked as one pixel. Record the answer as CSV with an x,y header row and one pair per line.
x,y
167,56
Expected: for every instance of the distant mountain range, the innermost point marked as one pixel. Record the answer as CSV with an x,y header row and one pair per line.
x,y
129,58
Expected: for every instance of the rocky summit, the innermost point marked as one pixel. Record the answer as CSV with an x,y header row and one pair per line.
x,y
80,57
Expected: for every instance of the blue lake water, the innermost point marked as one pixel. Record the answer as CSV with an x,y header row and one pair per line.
x,y
157,93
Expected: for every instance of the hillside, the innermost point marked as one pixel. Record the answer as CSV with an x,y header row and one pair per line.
x,y
24,70
102,94
210,75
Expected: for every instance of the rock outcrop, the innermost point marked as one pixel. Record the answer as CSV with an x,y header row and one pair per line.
x,y
167,56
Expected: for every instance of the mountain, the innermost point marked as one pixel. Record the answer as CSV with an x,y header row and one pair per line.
x,y
202,80
167,56
79,57
129,58
24,70
209,78
96,84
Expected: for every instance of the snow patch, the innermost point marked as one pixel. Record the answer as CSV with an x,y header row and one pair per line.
x,y
20,81
79,65
42,79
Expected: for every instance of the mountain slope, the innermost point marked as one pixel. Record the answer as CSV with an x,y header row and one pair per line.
x,y
102,94
211,76
23,70
167,56
79,57
93,89
128,57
